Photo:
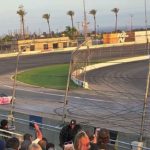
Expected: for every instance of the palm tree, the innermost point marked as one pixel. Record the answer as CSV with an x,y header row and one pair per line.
x,y
93,12
22,13
71,14
116,10
47,18
70,31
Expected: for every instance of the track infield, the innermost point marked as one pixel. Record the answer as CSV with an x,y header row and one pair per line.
x,y
54,77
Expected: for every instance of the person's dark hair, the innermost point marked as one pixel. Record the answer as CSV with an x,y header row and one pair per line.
x,y
42,143
103,136
45,139
27,136
25,145
12,143
50,145
4,122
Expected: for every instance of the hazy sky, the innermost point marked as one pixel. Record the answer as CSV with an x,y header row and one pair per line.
x,y
9,20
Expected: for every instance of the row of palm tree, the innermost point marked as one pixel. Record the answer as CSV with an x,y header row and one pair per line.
x,y
93,12
21,12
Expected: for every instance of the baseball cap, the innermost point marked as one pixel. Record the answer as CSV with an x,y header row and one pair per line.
x,y
72,122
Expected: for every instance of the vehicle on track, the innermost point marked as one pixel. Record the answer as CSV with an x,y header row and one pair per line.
x,y
5,99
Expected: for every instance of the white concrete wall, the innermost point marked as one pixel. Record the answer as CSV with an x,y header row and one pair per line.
x,y
140,36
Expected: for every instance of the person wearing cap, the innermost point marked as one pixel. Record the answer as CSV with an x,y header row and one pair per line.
x,y
68,132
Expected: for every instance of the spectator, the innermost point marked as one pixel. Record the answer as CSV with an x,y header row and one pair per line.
x,y
45,139
103,137
4,126
42,143
38,132
34,146
27,141
12,144
50,146
82,141
69,132
2,145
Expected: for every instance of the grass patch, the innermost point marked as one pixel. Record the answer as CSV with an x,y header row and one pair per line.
x,y
54,76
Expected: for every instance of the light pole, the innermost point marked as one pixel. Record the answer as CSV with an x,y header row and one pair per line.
x,y
98,29
131,22
11,115
70,66
85,36
85,22
148,81
64,116
78,26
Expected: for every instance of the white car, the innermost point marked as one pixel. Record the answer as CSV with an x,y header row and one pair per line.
x,y
4,99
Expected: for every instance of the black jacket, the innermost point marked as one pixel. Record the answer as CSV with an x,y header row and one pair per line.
x,y
67,134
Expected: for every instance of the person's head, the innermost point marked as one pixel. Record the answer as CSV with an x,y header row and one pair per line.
x,y
34,147
25,145
72,123
28,137
103,136
4,124
45,139
50,146
12,143
42,143
82,141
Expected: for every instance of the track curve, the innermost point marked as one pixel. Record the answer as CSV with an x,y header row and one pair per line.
x,y
124,80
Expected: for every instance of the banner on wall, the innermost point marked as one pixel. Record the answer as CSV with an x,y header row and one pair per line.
x,y
122,37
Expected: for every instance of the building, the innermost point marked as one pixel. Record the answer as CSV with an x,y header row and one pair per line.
x,y
46,44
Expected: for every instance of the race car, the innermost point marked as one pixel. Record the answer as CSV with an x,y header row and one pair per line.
x,y
4,99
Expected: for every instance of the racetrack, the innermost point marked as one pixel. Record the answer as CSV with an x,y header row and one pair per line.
x,y
115,100
124,80
7,65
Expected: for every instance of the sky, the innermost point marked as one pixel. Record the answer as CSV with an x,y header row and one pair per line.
x,y
10,22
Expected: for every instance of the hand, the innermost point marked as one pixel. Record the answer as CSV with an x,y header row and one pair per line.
x,y
36,126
